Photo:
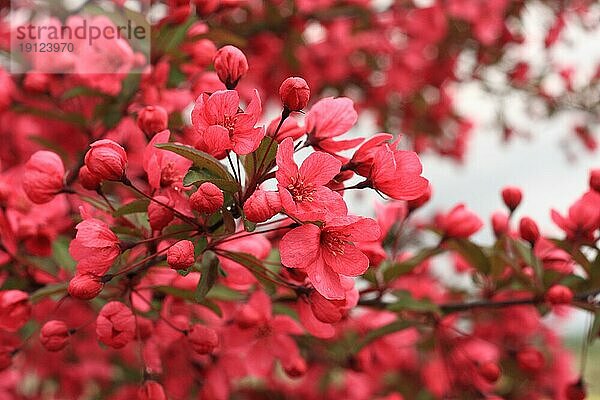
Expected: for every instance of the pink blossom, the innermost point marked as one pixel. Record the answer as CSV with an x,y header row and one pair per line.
x,y
327,252
223,127
301,190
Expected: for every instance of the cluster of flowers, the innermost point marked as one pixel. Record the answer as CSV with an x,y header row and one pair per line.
x,y
146,257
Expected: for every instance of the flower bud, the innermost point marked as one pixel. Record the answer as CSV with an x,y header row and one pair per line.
x,y
295,367
231,65
500,223
294,93
14,309
88,180
528,230
512,197
85,286
54,335
595,180
419,201
43,176
559,294
152,390
115,325
262,205
530,359
207,199
153,119
489,371
203,339
106,159
159,216
576,391
181,255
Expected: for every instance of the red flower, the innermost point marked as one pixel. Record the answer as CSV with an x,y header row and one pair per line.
x,y
231,65
164,168
528,230
95,247
43,176
458,222
106,159
583,219
85,286
207,199
54,335
262,205
222,127
115,325
301,190
88,180
294,93
512,197
151,390
392,171
14,309
153,119
203,339
330,118
181,255
327,252
160,216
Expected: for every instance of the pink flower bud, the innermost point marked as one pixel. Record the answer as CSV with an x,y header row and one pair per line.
x,y
151,390
294,93
159,215
207,199
153,119
14,309
530,359
43,176
88,180
528,230
262,205
489,371
85,286
181,255
54,335
106,159
512,197
459,222
500,223
115,325
231,65
559,294
595,180
420,201
203,339
95,247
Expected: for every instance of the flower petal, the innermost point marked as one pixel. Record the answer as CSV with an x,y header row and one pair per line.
x,y
300,247
319,168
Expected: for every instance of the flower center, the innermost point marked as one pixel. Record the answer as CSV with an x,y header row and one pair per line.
x,y
335,242
301,191
229,124
168,175
263,331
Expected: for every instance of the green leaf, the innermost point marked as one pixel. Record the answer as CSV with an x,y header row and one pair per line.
x,y
406,266
199,158
375,334
210,273
47,291
472,253
136,206
253,161
197,176
60,253
405,302
82,91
